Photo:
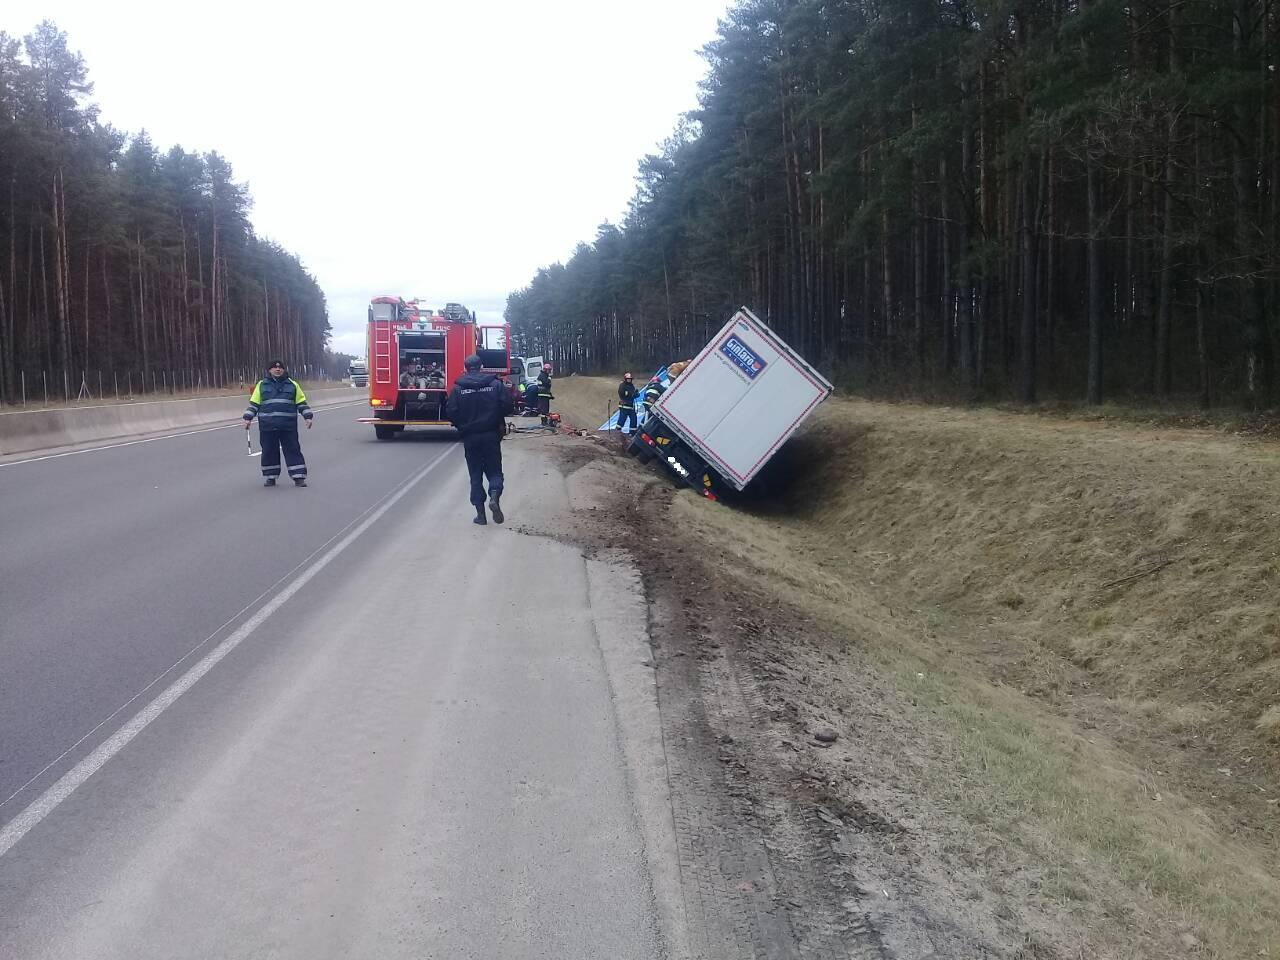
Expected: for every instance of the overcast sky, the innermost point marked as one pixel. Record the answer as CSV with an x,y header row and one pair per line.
x,y
444,150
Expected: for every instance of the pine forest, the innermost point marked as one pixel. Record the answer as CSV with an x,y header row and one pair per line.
x,y
124,264
1014,199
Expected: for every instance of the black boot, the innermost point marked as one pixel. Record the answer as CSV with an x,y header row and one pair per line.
x,y
479,518
299,481
496,508
269,482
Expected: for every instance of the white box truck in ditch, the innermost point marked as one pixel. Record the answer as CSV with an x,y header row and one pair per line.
x,y
731,408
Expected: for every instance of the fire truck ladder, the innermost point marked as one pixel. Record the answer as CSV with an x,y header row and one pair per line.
x,y
382,335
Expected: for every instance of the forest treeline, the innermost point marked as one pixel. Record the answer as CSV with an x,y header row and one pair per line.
x,y
1006,197
118,258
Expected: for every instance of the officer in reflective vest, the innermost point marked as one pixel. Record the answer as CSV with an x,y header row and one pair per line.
x,y
277,400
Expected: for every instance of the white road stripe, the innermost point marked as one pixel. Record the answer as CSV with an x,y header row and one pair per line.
x,y
168,436
47,802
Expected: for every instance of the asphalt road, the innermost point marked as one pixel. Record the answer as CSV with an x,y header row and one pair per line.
x,y
338,721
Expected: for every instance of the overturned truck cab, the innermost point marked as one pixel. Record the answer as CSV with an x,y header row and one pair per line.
x,y
731,409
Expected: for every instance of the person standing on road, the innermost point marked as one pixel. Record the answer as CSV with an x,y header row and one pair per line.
x,y
478,406
545,395
276,402
627,403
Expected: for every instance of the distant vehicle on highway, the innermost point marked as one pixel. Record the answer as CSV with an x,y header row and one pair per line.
x,y
359,373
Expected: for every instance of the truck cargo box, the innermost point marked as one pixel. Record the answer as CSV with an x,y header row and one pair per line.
x,y
738,401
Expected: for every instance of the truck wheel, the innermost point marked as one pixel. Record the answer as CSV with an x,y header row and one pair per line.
x,y
384,433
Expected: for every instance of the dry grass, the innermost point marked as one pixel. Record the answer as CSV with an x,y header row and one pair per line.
x,y
1269,724
1088,605
585,402
1148,560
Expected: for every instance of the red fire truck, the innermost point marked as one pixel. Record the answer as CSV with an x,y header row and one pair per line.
x,y
416,354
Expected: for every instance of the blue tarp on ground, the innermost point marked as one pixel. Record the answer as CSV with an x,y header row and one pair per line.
x,y
612,422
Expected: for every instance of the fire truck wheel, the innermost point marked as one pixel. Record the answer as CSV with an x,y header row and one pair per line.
x,y
384,433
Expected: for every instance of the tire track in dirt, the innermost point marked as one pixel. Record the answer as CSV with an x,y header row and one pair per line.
x,y
750,854
757,880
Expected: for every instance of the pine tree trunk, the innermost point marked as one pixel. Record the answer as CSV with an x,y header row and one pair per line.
x,y
666,284
108,344
49,357
1202,348
6,339
88,267
947,290
917,258
214,299
1256,352
966,314
886,266
142,308
11,357
62,321
1094,258
1027,371
1164,311
1049,368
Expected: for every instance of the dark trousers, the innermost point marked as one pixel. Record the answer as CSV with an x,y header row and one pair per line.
x,y
272,443
627,414
544,405
484,461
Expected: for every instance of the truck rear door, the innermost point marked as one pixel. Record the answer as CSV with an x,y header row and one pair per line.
x,y
741,397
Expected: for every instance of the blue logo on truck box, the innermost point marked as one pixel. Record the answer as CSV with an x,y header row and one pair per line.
x,y
743,357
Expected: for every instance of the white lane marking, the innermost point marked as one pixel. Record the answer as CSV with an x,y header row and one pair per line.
x,y
167,436
48,801
256,453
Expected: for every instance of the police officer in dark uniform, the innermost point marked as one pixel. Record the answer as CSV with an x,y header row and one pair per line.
x,y
478,406
277,401
627,403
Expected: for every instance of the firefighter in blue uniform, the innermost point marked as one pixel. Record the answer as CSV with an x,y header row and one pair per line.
x,y
277,401
478,406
